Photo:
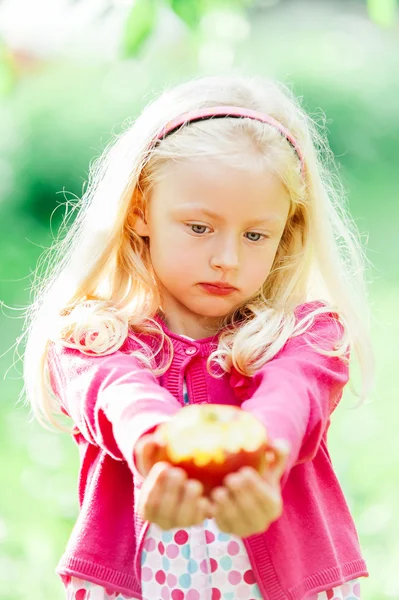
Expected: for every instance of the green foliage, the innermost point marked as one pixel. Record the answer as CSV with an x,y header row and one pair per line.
x,y
7,72
189,12
144,18
383,12
139,26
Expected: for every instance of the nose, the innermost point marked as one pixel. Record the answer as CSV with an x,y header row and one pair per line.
x,y
226,254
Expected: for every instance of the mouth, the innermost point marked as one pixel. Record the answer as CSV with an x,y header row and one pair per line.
x,y
218,288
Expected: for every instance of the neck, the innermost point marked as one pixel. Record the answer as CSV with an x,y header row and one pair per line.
x,y
192,326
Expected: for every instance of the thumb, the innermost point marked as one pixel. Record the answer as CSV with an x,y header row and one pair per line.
x,y
147,453
153,453
280,451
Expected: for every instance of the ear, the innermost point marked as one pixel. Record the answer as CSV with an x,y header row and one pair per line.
x,y
140,225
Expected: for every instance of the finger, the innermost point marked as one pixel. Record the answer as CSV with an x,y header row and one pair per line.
x,y
280,451
170,497
151,455
252,497
205,510
209,508
226,508
187,512
145,451
138,455
222,524
247,496
219,513
147,457
151,490
237,525
282,454
257,499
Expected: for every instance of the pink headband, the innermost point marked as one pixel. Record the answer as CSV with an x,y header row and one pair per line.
x,y
230,111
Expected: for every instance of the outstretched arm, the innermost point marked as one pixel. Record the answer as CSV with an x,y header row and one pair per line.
x,y
298,390
113,400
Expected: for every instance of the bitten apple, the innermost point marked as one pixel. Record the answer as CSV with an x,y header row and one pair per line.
x,y
209,441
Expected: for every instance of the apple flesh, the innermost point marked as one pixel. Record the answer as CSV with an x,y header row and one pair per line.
x,y
209,441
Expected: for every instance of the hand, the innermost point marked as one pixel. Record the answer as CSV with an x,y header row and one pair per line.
x,y
248,502
146,452
168,499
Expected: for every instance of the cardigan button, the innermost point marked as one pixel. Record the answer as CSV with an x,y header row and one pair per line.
x,y
191,350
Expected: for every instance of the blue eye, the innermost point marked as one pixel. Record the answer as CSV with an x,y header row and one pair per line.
x,y
198,228
254,237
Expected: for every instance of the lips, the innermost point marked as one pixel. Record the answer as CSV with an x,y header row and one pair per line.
x,y
219,284
218,288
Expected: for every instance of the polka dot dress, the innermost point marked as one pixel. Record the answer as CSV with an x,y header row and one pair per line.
x,y
78,589
195,563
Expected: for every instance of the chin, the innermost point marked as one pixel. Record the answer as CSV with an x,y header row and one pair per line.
x,y
212,312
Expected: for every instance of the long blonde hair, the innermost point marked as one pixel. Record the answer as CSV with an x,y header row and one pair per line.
x,y
99,286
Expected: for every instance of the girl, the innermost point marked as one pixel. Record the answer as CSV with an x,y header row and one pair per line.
x,y
211,261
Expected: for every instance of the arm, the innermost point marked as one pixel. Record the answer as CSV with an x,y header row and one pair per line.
x,y
298,390
113,400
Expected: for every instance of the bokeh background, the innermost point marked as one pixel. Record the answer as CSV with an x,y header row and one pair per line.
x,y
71,73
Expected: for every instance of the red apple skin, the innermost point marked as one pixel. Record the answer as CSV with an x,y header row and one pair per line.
x,y
213,473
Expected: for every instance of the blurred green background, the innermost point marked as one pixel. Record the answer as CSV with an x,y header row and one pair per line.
x,y
71,73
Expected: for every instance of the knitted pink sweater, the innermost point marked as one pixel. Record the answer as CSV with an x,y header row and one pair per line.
x,y
113,401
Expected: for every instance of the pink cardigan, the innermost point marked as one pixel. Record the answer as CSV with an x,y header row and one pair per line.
x,y
113,401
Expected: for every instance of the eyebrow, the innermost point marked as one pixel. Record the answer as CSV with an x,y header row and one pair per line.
x,y
271,218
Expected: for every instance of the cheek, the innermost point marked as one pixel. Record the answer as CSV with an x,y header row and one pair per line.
x,y
167,238
171,256
259,267
258,276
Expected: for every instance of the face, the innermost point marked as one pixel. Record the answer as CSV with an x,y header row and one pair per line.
x,y
213,232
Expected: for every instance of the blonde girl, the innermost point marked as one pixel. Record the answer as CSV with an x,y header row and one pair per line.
x,y
211,261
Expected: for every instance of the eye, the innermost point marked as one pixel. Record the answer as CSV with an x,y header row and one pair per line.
x,y
255,237
196,228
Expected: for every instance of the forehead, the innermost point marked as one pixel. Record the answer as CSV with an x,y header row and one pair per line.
x,y
222,189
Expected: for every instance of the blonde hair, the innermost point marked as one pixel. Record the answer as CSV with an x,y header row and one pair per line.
x,y
99,287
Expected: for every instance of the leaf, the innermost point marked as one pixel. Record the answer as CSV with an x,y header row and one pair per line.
x,y
383,12
139,25
8,74
189,11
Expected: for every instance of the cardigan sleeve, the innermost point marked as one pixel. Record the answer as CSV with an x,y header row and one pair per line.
x,y
113,400
296,392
